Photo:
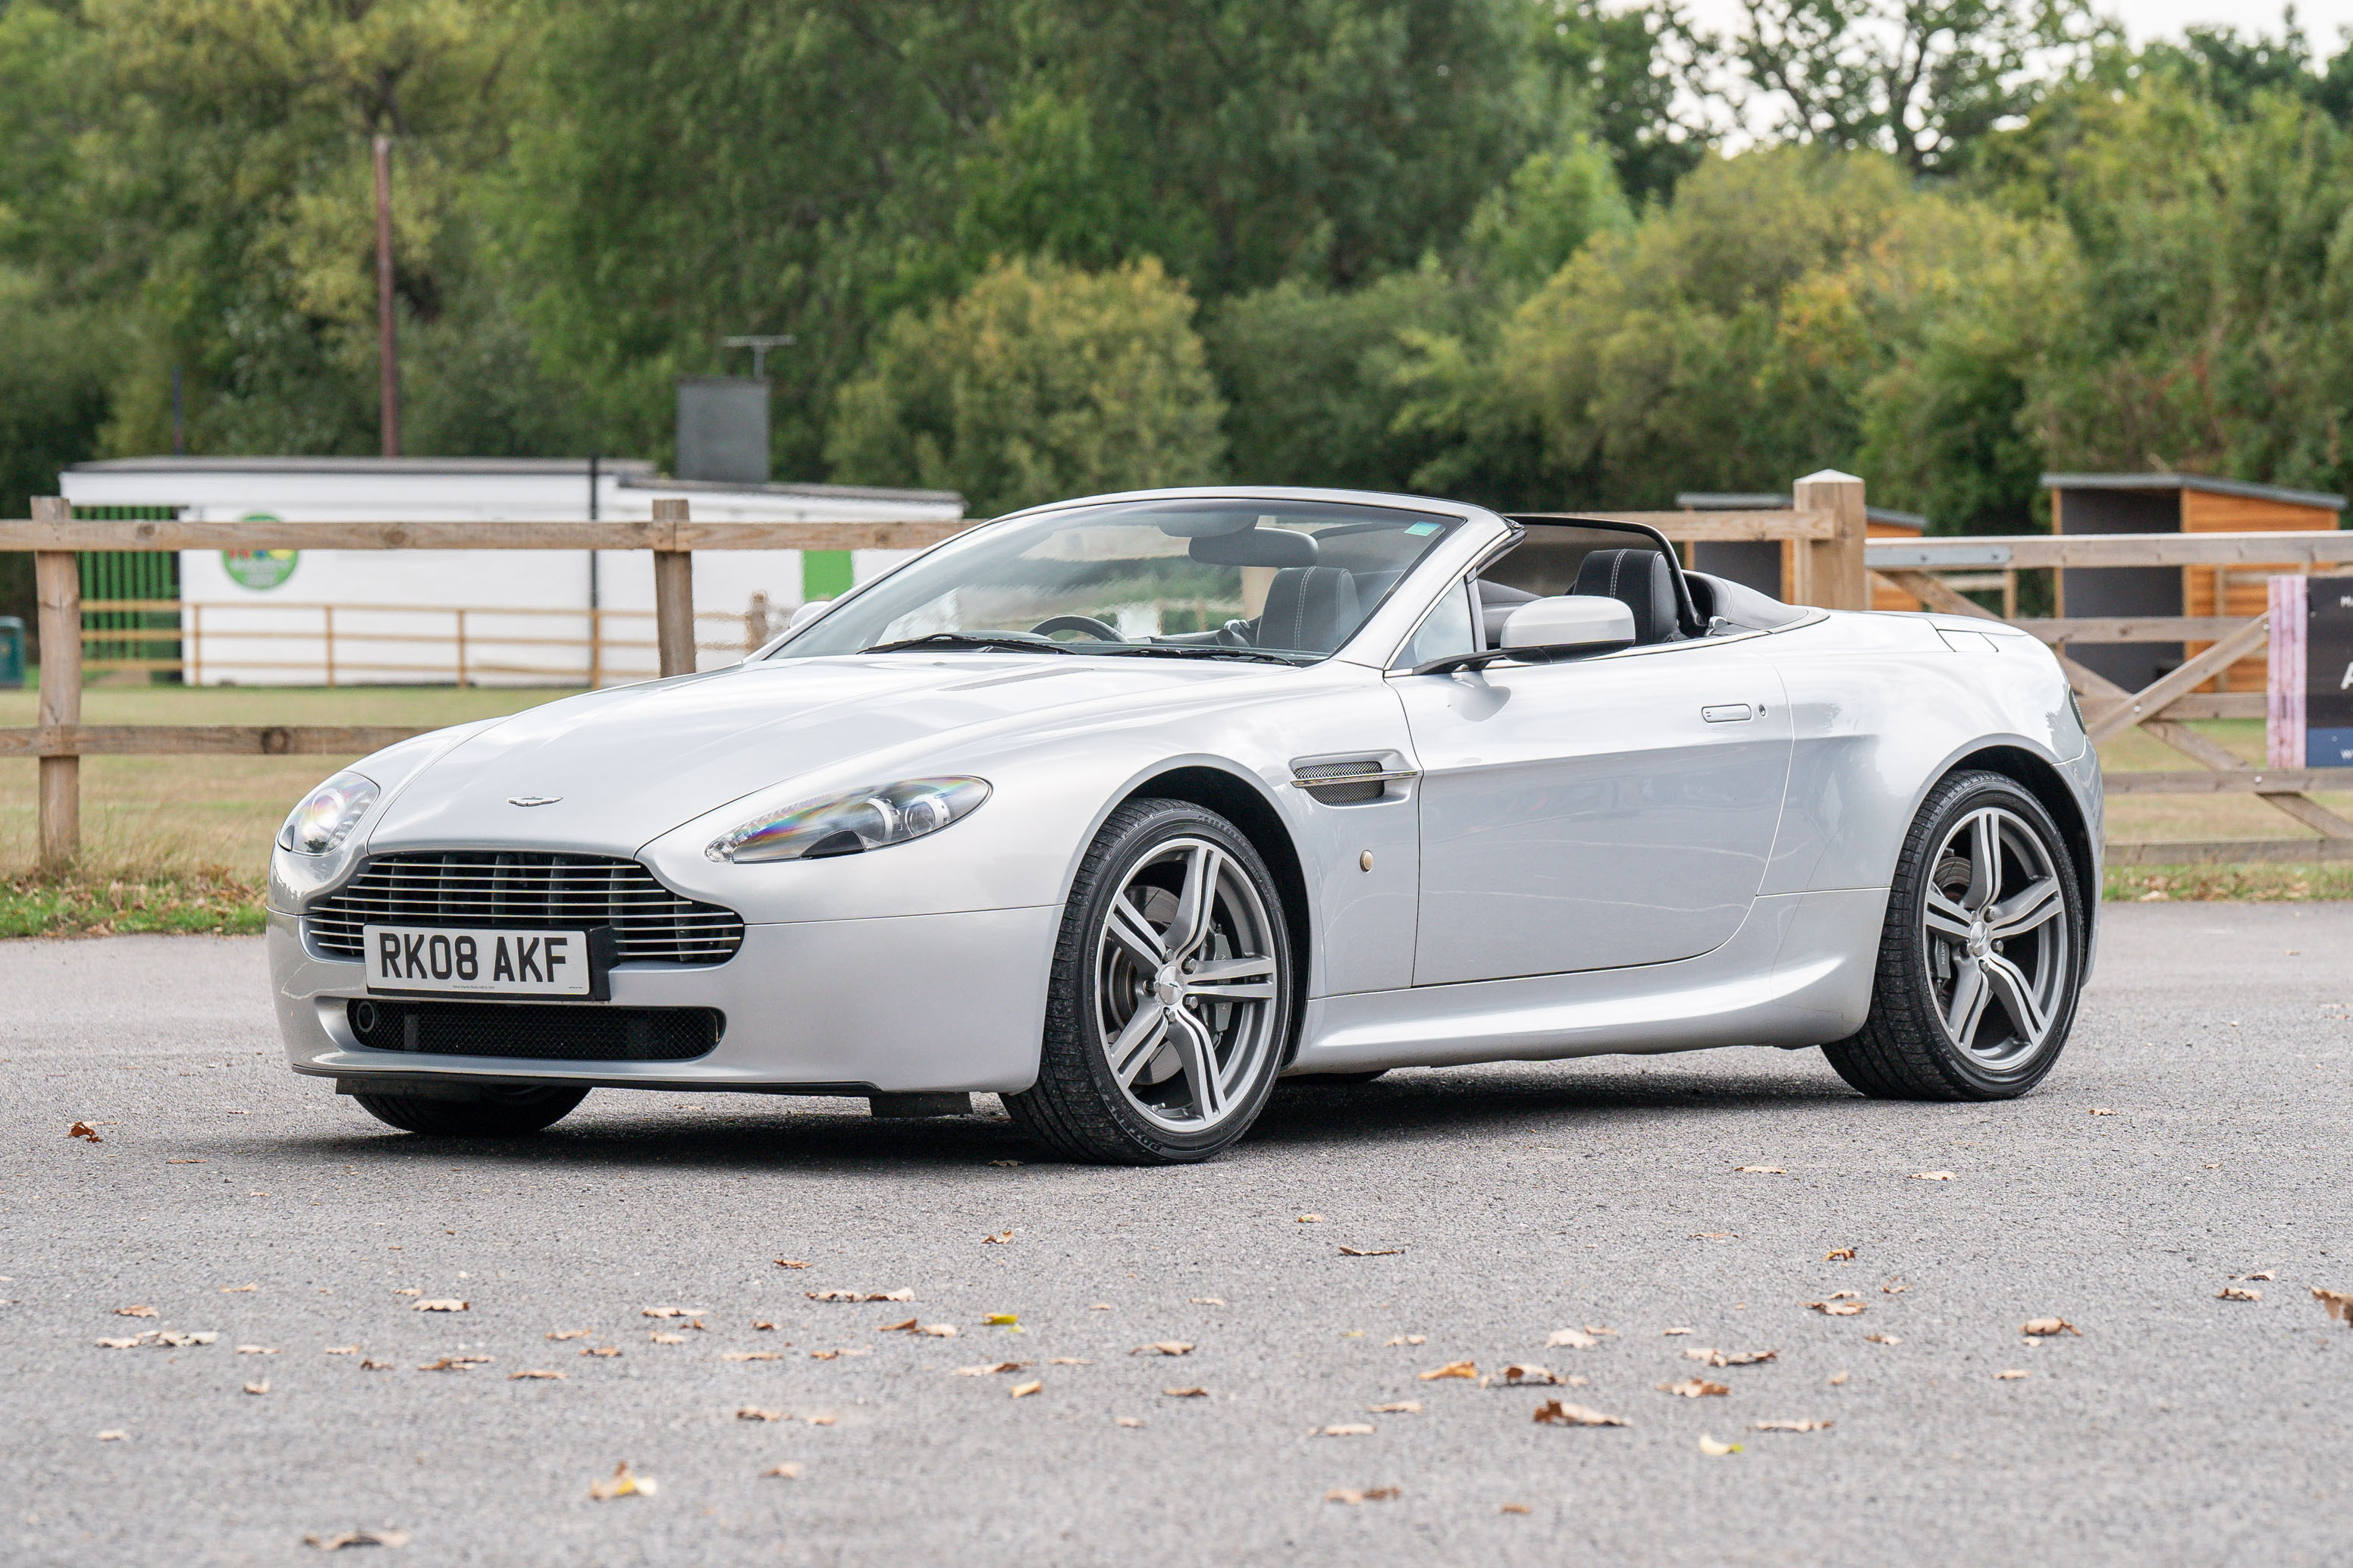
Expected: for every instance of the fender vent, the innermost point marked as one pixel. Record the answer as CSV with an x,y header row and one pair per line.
x,y
1343,783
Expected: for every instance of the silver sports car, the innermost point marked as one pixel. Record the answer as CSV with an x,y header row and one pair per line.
x,y
1126,807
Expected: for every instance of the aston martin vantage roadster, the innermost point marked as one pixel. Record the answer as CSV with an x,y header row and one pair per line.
x,y
1125,808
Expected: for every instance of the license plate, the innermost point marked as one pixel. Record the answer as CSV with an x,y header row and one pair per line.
x,y
477,963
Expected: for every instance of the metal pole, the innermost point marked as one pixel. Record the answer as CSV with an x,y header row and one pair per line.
x,y
595,596
388,346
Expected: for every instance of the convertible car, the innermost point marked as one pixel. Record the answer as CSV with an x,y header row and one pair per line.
x,y
1125,808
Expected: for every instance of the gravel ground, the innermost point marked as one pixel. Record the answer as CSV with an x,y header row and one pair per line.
x,y
236,1200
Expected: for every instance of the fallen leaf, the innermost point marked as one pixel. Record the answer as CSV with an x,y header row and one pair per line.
x,y
763,1324
1838,1380
1452,1369
673,1311
2010,1374
1671,1333
1396,1407
1837,1309
621,1483
261,1387
1709,1445
1023,1390
938,1330
134,1312
2266,1274
455,1364
256,1349
788,1470
1001,1239
1164,1347
1838,1254
84,1130
1405,1340
375,1365
1128,1421
537,1373
2337,1304
1005,1164
1528,1373
662,1339
357,1538
1575,1339
1310,1219
907,1327
2102,1111
1599,1329
2237,1293
1759,1171
184,1162
1790,1426
237,1289
1845,1295
452,1305
1883,1339
343,1350
906,1294
1372,1252
1894,1287
1732,1358
1515,1507
753,1413
571,1333
1932,1175
111,1436
838,1354
131,1343
1714,1234
752,1355
600,1349
990,1368
2049,1328
176,1340
792,1263
1350,1429
1208,1300
1185,1392
821,1420
1352,1497
1553,1413
1003,1319
1693,1388
1067,1360
1100,1306
410,1290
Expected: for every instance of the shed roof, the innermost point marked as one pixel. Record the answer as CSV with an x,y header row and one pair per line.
x,y
618,467
2211,486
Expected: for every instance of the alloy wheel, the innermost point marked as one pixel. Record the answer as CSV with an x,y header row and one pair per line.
x,y
1996,940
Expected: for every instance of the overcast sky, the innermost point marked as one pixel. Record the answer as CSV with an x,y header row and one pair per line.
x,y
2146,19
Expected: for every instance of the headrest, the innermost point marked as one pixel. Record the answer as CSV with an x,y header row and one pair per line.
x,y
1313,609
1641,580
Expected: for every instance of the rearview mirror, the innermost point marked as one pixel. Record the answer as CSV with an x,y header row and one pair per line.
x,y
1568,622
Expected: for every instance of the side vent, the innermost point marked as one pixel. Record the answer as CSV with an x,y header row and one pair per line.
x,y
1346,784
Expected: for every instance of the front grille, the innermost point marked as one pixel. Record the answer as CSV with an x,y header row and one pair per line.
x,y
507,889
543,1033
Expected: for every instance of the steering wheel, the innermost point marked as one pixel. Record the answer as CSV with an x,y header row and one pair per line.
x,y
1102,630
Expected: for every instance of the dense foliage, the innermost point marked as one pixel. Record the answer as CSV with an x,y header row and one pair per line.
x,y
1529,251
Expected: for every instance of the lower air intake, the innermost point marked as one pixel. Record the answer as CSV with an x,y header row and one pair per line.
x,y
564,1034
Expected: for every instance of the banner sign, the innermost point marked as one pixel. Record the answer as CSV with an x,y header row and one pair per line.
x,y
2309,711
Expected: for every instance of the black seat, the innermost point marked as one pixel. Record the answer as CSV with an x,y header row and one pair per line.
x,y
1312,609
1642,582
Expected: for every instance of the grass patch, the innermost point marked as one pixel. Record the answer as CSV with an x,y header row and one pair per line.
x,y
2206,884
216,905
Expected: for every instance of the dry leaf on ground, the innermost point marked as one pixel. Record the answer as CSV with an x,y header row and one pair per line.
x,y
343,1350
1838,1254
600,1349
1464,1369
2048,1328
1669,1333
177,1341
1396,1407
2266,1274
904,1294
788,1469
456,1363
1553,1413
621,1483
1310,1219
1732,1358
134,1312
750,1355
1714,1235
1347,1429
367,1365
2339,1304
2237,1293
256,1349
2102,1111
1207,1301
792,1263
185,1161
571,1333
1894,1287
1127,1421
1883,1339
1531,1375
1352,1496
261,1387
538,1373
762,1325
450,1305
1790,1426
1003,1319
672,1311
1693,1388
2011,1373
1759,1171
1837,1379
1599,1329
821,1420
126,1344
1023,1390
1372,1251
1932,1175
1001,1239
112,1436
1515,1507
1837,1309
662,1339
753,1413
987,1369
238,1289
1405,1340
1069,1361
1709,1445
1005,1164
409,1290
1575,1339
1185,1392
1164,1347
357,1538
84,1130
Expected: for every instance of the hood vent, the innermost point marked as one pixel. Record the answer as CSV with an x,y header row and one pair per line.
x,y
1351,782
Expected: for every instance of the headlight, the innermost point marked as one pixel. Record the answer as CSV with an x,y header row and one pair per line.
x,y
321,824
851,824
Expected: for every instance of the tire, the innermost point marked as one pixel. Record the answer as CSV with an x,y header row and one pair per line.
x,y
1964,1006
1332,1079
1125,991
502,1113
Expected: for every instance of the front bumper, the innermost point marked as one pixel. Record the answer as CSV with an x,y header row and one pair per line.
x,y
952,1002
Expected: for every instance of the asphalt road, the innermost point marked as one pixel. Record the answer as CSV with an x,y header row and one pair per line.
x,y
237,1200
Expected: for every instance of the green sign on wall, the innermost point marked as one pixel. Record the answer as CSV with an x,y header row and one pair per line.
x,y
258,568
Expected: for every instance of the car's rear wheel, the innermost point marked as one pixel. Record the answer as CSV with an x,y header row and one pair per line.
x,y
1170,1004
1981,957
499,1113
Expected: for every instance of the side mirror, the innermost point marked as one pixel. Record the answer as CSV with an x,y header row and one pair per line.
x,y
807,613
1570,622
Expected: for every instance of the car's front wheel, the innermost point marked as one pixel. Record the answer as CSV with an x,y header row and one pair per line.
x,y
1981,955
1170,1004
498,1113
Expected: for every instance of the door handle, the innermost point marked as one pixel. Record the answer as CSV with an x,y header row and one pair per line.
x,y
1726,712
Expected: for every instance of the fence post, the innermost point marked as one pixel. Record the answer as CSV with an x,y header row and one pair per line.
x,y
1835,564
673,597
56,586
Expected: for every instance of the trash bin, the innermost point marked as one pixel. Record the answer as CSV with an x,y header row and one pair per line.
x,y
12,652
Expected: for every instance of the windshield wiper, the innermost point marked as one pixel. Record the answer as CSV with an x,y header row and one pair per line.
x,y
1196,651
1006,643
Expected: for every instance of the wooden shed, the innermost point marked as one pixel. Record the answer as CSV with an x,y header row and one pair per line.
x,y
2174,503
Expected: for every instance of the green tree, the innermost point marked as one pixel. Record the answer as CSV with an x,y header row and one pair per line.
x,y
1038,382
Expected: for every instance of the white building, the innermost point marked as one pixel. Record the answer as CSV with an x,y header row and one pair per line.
x,y
486,617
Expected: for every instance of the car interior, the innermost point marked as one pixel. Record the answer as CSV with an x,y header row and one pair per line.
x,y
1627,563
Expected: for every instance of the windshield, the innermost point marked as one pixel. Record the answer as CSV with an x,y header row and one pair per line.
x,y
1288,581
